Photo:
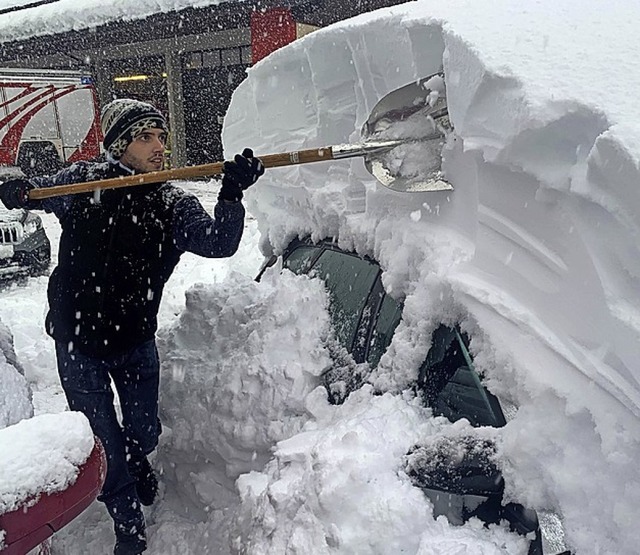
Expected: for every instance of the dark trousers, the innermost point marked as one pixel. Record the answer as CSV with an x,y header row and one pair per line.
x,y
87,385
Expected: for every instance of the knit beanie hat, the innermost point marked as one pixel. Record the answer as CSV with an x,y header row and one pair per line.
x,y
122,120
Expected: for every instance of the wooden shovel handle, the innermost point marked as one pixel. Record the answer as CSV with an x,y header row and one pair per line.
x,y
189,172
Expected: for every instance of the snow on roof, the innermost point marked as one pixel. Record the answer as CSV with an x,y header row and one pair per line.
x,y
70,15
14,5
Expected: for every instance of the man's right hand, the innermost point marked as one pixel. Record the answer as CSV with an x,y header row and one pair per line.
x,y
15,193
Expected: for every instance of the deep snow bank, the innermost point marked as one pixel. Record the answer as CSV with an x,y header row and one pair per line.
x,y
537,247
337,488
14,389
237,367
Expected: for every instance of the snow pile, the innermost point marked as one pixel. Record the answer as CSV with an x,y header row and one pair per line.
x,y
536,250
237,367
14,389
54,445
337,487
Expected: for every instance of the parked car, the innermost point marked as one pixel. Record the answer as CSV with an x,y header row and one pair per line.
x,y
364,318
24,246
27,527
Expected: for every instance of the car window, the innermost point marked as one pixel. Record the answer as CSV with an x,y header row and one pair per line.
x,y
364,318
451,384
349,280
298,260
389,317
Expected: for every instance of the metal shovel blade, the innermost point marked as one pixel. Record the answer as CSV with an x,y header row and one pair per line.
x,y
416,116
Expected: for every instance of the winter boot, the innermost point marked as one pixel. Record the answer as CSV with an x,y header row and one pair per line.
x,y
146,481
130,540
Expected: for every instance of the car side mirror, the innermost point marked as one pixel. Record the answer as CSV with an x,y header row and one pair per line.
x,y
462,480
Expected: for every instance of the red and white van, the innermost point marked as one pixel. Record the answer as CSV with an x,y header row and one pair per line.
x,y
47,118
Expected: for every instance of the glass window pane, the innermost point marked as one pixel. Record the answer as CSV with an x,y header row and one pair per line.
x,y
452,385
211,58
299,259
388,320
194,60
349,280
246,56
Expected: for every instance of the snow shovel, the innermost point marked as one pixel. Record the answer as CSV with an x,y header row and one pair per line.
x,y
396,149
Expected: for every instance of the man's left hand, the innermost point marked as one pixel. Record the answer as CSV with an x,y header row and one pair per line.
x,y
239,175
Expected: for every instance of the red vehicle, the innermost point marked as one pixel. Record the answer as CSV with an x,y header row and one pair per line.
x,y
27,528
48,118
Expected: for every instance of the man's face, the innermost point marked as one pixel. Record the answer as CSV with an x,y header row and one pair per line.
x,y
146,152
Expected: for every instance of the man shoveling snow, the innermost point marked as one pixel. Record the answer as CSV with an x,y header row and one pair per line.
x,y
117,250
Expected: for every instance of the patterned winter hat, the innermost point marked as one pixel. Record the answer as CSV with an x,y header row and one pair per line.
x,y
122,120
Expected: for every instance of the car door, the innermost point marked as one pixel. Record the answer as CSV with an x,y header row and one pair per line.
x,y
364,318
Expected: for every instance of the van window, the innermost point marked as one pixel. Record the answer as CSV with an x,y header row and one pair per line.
x,y
299,259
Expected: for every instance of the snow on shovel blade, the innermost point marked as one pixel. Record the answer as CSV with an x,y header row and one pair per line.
x,y
416,115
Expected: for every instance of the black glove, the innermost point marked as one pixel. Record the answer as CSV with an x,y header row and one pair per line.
x,y
239,175
15,193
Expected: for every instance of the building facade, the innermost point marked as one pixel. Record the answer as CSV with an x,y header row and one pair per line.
x,y
186,62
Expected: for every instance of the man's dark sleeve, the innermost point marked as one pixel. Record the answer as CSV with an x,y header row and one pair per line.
x,y
194,230
58,205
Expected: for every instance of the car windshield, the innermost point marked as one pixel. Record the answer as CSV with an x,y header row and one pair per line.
x,y
349,280
389,316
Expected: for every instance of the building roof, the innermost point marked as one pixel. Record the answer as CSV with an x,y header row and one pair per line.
x,y
32,29
61,16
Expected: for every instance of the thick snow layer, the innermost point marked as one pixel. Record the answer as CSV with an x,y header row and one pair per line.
x,y
337,488
535,252
238,366
536,249
41,455
14,389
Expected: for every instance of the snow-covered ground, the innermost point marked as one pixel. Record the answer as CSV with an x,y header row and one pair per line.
x,y
535,252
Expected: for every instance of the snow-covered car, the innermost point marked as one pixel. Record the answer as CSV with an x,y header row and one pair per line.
x,y
51,466
534,250
24,246
64,474
462,479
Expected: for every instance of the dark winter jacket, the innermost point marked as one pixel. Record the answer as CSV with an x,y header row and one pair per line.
x,y
117,250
